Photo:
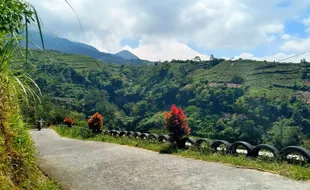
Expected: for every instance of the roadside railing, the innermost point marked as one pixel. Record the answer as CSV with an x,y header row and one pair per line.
x,y
292,154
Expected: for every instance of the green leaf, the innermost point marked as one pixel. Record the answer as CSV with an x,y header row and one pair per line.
x,y
27,38
39,26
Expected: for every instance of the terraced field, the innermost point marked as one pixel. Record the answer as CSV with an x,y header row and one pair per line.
x,y
257,75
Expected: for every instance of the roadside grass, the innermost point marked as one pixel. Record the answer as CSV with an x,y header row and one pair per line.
x,y
19,167
297,172
82,133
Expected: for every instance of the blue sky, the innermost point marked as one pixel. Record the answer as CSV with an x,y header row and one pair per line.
x,y
182,29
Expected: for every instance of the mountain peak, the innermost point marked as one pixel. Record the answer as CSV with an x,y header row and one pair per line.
x,y
125,54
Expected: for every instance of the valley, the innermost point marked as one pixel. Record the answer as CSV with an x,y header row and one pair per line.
x,y
232,100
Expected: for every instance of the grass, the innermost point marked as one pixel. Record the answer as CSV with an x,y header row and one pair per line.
x,y
18,164
296,172
76,132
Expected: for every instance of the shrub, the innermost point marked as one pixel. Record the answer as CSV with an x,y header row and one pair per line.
x,y
95,122
176,123
85,133
49,123
237,80
68,121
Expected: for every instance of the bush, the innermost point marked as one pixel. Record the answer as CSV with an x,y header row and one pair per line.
x,y
68,121
176,123
95,122
237,80
86,133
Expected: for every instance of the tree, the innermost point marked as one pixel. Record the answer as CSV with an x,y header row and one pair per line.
x,y
283,133
303,61
211,57
303,73
95,122
197,58
68,121
237,80
305,123
176,123
250,132
297,117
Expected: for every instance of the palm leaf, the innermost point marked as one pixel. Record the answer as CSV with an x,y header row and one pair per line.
x,y
34,83
80,23
22,86
27,38
39,26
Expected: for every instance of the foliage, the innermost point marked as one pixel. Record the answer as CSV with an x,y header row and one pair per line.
x,y
95,122
19,167
284,133
18,164
12,16
176,123
74,132
237,79
133,97
68,121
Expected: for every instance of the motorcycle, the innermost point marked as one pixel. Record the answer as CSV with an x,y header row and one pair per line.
x,y
40,124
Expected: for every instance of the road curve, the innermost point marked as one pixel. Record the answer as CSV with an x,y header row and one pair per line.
x,y
95,165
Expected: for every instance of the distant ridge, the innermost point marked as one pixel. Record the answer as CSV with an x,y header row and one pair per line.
x,y
66,46
125,54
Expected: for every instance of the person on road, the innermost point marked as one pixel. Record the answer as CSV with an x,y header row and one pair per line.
x,y
40,124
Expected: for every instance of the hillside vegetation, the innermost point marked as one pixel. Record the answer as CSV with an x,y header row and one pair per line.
x,y
233,100
18,163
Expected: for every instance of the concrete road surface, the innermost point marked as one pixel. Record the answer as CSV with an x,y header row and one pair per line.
x,y
95,165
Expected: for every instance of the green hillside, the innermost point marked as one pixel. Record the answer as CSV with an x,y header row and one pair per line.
x,y
257,75
232,100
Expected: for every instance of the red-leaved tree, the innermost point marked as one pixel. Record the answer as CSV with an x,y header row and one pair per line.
x,y
176,123
68,121
95,122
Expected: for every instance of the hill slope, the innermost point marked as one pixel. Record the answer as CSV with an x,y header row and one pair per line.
x,y
125,54
231,100
67,46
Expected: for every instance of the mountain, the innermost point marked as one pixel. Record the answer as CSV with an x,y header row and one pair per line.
x,y
66,46
125,54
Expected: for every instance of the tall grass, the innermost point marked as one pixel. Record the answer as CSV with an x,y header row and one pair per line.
x,y
18,164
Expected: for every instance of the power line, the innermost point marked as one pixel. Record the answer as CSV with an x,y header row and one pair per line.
x,y
294,55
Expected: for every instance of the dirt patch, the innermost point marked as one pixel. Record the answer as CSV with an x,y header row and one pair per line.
x,y
227,85
306,82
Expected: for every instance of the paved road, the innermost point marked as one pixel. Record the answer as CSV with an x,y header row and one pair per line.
x,y
95,165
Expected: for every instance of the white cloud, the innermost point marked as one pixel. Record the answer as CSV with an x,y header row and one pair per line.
x,y
296,45
275,57
306,21
208,24
164,49
105,23
286,36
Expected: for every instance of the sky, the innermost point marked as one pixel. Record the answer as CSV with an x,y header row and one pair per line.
x,y
182,29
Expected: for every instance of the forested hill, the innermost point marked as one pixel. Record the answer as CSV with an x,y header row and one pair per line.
x,y
233,100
